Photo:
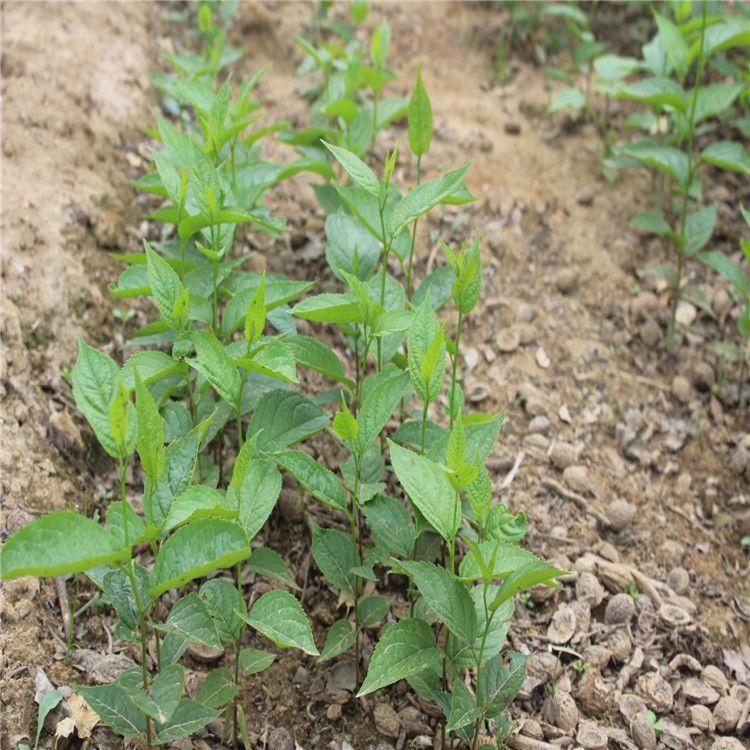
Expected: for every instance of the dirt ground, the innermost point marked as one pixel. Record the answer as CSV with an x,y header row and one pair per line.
x,y
630,463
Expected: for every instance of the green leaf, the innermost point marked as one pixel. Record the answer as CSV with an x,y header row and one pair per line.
x,y
372,609
464,709
197,501
356,169
346,236
60,542
420,118
119,414
390,524
426,352
213,362
500,685
48,702
715,99
150,432
221,600
268,562
165,691
188,718
165,284
218,688
321,483
196,550
726,155
479,495
279,616
286,417
96,382
651,221
344,424
424,197
190,619
674,43
380,44
657,93
253,661
507,558
568,98
666,272
116,524
258,493
666,159
696,296
119,590
113,706
405,648
428,488
169,177
527,575
446,596
503,526
699,226
312,353
255,318
728,269
377,407
330,308
731,32
340,639
333,553
273,358
468,284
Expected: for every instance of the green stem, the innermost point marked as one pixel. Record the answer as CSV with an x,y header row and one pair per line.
x,y
424,425
456,504
455,364
413,236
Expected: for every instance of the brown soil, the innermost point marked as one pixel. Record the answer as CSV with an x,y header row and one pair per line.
x,y
562,270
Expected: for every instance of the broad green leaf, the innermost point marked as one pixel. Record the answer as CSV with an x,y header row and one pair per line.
x,y
340,639
150,432
48,702
222,600
651,221
696,296
468,284
258,493
731,32
699,226
173,646
439,283
165,284
255,318
405,648
674,44
197,501
151,365
333,553
479,495
273,358
424,197
464,709
330,308
116,524
666,159
420,118
165,691
392,321
507,558
196,550
391,524
60,542
119,590
253,661
727,268
726,155
286,417
113,706
529,574
426,352
312,353
456,451
372,609
218,688
568,98
503,526
321,483
268,562
715,99
190,619
614,67
213,362
119,414
279,616
344,424
96,381
346,236
169,177
428,488
377,408
356,169
500,685
657,93
188,718
665,271
380,44
446,596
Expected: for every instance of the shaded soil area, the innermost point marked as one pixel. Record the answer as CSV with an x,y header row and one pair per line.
x,y
630,463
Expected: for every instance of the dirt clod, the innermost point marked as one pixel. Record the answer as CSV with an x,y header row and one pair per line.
x,y
561,710
702,718
280,739
566,280
704,377
655,691
620,609
386,720
642,731
681,388
650,332
727,713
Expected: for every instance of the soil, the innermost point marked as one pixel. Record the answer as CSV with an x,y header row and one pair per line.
x,y
619,453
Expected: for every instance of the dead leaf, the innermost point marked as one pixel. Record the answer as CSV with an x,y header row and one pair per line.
x,y
66,727
85,719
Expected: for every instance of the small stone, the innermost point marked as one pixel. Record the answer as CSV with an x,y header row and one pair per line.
x,y
534,406
589,588
721,302
566,279
715,678
386,720
342,679
650,333
542,358
591,737
686,661
678,580
563,711
334,712
727,743
543,664
702,718
577,478
512,127
704,377
642,305
109,230
539,424
563,626
204,654
508,340
739,461
642,731
532,728
681,388
471,358
630,706
686,313
696,691
585,197
526,333
670,553
620,513
655,691
597,656
525,313
727,713
280,739
563,455
301,676
620,609
593,693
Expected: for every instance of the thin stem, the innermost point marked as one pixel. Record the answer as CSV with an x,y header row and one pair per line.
x,y
455,366
413,236
424,425
456,504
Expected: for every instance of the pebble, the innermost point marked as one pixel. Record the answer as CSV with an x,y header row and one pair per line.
x,y
655,691
642,305
670,553
280,739
686,313
542,358
539,424
342,678
512,127
620,513
534,407
739,461
681,388
563,626
577,478
597,656
727,713
594,694
525,313
715,678
566,279
585,197
68,432
704,377
526,333
590,589
471,358
508,340
696,691
673,616
564,711
650,333
678,580
630,706
642,731
387,722
620,609
702,718
334,712
204,654
721,302
727,743
563,455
